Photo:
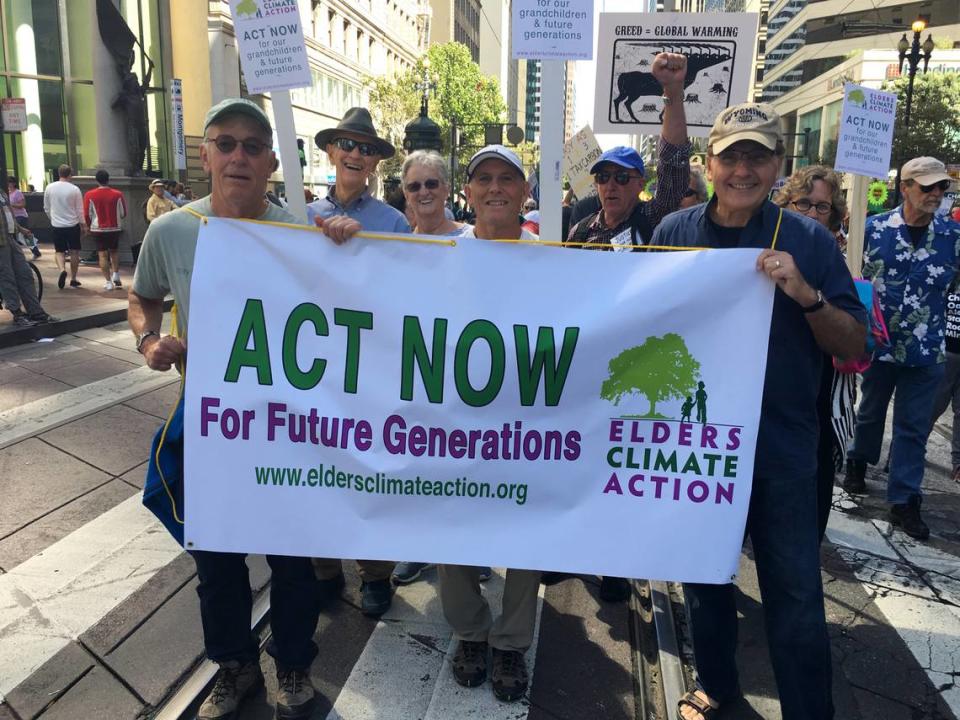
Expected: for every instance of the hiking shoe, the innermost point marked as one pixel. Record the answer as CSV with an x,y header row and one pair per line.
x,y
21,320
614,589
108,285
853,480
907,516
75,283
43,318
407,572
485,574
235,682
470,663
62,280
295,694
375,597
329,590
509,676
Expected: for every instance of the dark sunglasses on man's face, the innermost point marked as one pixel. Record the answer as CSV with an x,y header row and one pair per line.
x,y
348,144
942,185
621,177
429,184
228,143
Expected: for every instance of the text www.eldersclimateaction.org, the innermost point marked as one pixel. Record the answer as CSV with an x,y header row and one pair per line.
x,y
380,484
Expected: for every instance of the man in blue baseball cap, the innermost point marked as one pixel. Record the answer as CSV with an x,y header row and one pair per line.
x,y
623,221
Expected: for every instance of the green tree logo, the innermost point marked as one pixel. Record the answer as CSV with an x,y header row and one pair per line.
x,y
857,96
660,369
247,7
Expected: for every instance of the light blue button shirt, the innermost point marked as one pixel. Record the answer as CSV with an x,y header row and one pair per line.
x,y
371,213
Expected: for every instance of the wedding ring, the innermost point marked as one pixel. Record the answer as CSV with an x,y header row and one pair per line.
x,y
776,263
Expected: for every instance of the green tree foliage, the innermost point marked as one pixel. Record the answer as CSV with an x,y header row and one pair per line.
x,y
934,118
462,92
660,369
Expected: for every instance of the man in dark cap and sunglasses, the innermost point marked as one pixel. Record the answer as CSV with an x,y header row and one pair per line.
x,y
623,220
910,254
237,153
355,149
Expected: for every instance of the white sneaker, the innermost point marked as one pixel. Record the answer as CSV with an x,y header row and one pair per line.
x,y
108,285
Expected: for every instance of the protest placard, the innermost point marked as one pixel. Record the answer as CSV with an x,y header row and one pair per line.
x,y
270,42
446,401
865,138
579,154
553,29
720,51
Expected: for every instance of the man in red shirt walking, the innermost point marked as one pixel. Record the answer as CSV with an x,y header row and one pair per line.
x,y
104,209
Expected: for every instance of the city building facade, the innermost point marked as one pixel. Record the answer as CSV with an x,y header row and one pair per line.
x,y
456,21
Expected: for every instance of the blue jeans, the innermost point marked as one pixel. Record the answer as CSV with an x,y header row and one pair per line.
x,y
916,388
782,523
226,604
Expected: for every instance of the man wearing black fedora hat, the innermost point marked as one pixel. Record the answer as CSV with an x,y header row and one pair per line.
x,y
355,149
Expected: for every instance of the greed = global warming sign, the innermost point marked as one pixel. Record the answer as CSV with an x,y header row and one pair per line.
x,y
458,404
272,52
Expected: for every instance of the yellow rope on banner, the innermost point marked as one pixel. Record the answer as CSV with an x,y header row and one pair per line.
x,y
776,230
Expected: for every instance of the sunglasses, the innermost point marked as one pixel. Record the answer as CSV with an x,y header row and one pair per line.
x,y
621,178
348,144
228,143
413,187
804,205
942,185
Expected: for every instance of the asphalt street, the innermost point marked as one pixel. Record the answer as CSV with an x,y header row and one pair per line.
x,y
99,615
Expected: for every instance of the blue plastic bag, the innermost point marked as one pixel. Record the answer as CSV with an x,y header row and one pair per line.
x,y
163,489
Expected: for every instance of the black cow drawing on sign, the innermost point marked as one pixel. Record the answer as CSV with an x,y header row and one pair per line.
x,y
633,85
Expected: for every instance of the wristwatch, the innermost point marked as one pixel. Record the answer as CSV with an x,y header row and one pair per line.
x,y
816,306
142,337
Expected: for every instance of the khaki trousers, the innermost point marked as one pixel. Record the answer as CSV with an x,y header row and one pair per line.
x,y
468,611
370,570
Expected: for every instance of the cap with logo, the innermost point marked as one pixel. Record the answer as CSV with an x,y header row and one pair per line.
x,y
498,152
924,170
758,122
621,155
237,106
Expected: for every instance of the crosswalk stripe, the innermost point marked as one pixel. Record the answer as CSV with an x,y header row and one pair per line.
x,y
55,596
36,417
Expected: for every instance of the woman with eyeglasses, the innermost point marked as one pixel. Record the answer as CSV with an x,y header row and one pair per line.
x,y
697,192
814,191
426,187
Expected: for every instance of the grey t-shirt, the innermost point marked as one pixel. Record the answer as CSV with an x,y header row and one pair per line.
x,y
165,265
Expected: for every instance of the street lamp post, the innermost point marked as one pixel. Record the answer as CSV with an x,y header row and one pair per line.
x,y
422,133
912,53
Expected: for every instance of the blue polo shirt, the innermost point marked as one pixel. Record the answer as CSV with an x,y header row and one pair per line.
x,y
371,213
787,437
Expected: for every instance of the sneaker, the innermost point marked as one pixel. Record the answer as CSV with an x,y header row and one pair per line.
x,y
117,283
75,283
43,318
295,694
485,574
853,480
36,252
406,572
108,285
907,516
375,597
329,590
21,320
470,663
235,682
62,280
509,676
614,589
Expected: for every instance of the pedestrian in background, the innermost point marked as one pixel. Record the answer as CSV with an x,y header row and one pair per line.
x,y
104,210
63,204
16,280
158,203
18,204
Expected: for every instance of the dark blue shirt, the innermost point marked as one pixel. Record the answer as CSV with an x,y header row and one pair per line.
x,y
787,437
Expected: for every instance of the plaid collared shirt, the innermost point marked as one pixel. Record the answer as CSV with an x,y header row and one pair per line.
x,y
673,179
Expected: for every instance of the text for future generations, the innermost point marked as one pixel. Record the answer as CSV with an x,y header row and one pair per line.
x,y
552,24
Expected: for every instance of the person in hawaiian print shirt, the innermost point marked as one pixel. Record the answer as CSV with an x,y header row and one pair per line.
x,y
911,255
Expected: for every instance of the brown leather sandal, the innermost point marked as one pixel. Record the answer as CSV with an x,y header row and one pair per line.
x,y
694,701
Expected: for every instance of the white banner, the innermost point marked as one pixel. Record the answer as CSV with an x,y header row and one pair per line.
x,y
865,136
270,40
720,50
579,154
552,29
475,403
